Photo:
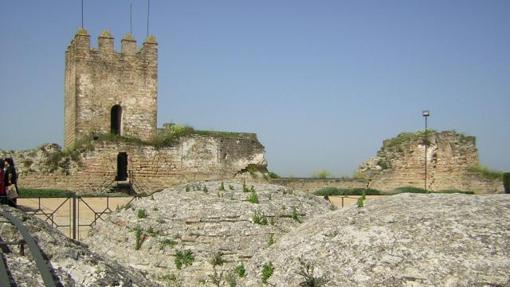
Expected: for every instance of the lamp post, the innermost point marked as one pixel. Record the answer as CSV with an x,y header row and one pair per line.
x,y
425,114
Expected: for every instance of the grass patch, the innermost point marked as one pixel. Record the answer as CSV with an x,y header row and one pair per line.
x,y
267,272
253,198
486,172
240,270
259,218
141,213
346,191
184,258
44,193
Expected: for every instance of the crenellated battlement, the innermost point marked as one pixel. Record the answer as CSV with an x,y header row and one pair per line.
x,y
110,91
106,44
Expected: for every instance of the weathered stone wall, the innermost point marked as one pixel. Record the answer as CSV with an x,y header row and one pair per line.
x,y
96,80
450,160
314,184
92,170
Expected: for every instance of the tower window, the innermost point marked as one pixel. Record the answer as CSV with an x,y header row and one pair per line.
x,y
116,118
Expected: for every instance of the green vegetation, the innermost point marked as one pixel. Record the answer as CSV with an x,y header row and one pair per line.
x,y
406,137
44,193
321,174
167,242
295,215
183,258
307,272
486,172
240,270
205,189
270,240
346,191
267,272
273,175
141,213
259,218
253,197
222,187
217,259
506,182
139,237
231,187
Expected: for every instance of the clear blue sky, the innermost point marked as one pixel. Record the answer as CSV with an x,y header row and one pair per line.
x,y
322,83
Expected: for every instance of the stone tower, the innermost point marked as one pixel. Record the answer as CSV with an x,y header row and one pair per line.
x,y
108,91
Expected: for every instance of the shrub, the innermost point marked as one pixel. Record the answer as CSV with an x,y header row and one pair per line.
x,y
321,174
183,258
486,172
410,189
240,270
273,175
506,182
259,218
217,259
141,213
307,271
267,272
253,197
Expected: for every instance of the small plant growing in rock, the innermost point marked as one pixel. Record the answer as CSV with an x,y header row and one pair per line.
x,y
139,237
183,258
167,242
205,189
188,188
361,200
217,259
216,278
295,215
231,279
259,218
231,187
310,280
252,188
267,272
152,232
270,240
141,213
240,270
253,197
222,187
245,188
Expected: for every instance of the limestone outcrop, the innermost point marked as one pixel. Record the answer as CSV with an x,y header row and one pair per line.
x,y
402,240
451,158
73,263
199,233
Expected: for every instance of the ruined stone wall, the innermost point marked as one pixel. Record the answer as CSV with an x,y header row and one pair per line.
x,y
93,170
450,160
96,80
314,184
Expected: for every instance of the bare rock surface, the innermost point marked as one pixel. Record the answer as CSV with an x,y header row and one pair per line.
x,y
209,230
72,263
402,240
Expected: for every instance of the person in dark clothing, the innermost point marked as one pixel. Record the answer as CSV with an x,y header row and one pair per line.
x,y
11,182
3,194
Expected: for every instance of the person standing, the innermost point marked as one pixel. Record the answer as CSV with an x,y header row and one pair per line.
x,y
11,182
3,194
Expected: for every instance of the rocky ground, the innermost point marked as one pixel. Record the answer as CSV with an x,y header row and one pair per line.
x,y
402,240
200,234
73,263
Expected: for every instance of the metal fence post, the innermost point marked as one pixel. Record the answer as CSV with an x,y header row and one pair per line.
x,y
74,217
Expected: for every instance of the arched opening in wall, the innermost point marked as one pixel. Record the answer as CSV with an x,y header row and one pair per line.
x,y
116,117
122,167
